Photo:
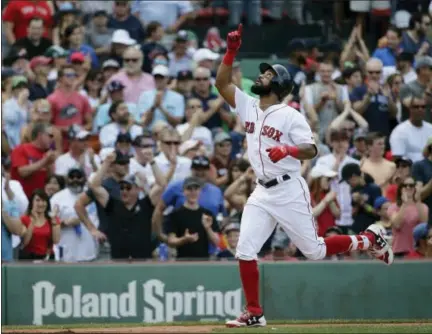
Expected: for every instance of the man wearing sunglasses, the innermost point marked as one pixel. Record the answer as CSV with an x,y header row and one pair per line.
x,y
409,138
76,243
373,101
129,227
79,155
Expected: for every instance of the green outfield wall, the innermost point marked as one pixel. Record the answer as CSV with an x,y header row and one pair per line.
x,y
133,293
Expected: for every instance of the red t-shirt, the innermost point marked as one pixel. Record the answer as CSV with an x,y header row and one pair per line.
x,y
326,219
23,155
41,241
68,109
21,12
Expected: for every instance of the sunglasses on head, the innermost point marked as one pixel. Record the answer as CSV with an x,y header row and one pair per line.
x,y
171,143
125,186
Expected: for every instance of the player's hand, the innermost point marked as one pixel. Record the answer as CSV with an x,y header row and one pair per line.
x,y
277,153
234,39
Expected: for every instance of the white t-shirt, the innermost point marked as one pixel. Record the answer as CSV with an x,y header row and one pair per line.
x,y
75,247
277,125
108,134
183,169
389,70
200,133
343,190
408,141
136,167
66,162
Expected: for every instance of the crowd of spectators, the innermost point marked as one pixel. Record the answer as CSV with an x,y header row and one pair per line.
x,y
116,144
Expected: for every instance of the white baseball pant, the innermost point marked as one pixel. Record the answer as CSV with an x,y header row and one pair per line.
x,y
288,204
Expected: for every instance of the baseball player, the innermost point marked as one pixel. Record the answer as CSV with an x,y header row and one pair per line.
x,y
278,138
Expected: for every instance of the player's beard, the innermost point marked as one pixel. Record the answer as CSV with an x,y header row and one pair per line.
x,y
261,90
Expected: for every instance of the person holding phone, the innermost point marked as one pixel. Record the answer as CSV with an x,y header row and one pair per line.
x,y
405,215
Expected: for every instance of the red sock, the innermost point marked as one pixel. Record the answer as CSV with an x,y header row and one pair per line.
x,y
250,280
338,244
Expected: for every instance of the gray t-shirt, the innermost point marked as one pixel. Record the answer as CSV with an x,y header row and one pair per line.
x,y
97,39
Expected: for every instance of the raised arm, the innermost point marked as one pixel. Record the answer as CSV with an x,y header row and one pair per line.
x,y
100,193
224,74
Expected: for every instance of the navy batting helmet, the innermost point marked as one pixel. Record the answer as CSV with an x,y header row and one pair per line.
x,y
281,83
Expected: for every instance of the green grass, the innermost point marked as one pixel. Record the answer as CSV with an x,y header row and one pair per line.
x,y
364,328
292,326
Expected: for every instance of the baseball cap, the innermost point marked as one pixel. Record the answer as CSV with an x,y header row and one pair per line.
x,y
161,70
18,81
296,44
184,75
130,179
56,51
204,54
75,171
124,138
231,227
182,36
379,201
359,134
424,61
192,181
322,170
420,232
350,170
77,133
115,85
201,162
77,57
221,137
110,63
39,60
100,12
121,158
14,54
188,145
121,36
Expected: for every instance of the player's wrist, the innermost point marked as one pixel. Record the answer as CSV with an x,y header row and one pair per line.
x,y
292,151
229,57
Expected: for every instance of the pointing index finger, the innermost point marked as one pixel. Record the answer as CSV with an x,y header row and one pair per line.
x,y
240,29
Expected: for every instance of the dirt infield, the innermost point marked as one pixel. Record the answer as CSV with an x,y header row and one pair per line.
x,y
178,329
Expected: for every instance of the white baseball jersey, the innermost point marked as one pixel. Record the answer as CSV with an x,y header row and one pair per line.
x,y
277,125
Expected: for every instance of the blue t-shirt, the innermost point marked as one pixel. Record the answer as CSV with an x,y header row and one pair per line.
x,y
215,121
132,25
211,197
408,45
422,172
377,113
386,55
88,50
